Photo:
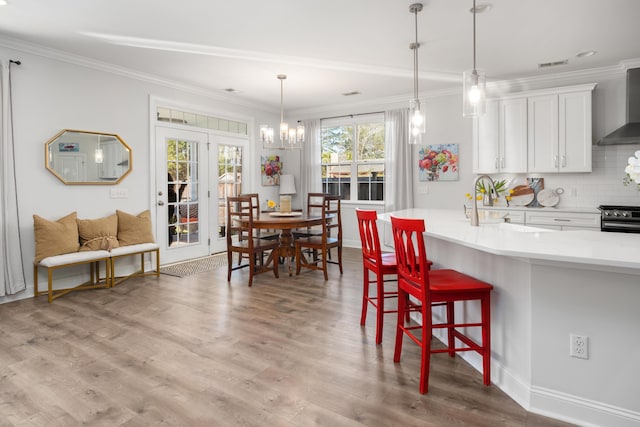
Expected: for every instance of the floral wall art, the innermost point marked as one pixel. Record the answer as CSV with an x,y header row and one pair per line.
x,y
270,170
438,162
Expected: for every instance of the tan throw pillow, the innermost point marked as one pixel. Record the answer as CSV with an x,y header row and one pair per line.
x,y
55,237
96,234
133,230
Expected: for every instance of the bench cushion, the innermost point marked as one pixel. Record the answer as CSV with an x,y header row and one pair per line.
x,y
73,258
132,249
55,237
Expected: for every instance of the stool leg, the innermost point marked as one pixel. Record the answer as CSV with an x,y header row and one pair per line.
x,y
485,304
365,295
425,344
450,320
402,301
380,311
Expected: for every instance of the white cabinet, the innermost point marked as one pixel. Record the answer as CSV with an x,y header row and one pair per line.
x,y
563,220
559,130
500,137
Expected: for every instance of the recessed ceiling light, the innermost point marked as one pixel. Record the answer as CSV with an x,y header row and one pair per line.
x,y
484,7
3,2
355,92
586,54
553,64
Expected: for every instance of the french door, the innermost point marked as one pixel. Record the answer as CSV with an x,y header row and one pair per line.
x,y
182,202
226,154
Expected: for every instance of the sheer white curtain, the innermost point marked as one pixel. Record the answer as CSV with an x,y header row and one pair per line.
x,y
398,167
11,268
311,162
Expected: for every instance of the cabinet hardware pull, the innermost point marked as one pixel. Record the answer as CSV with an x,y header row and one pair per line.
x,y
562,219
564,161
555,161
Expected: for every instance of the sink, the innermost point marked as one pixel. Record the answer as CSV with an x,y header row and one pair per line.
x,y
489,217
520,228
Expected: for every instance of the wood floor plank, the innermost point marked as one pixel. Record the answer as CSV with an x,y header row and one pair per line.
x,y
199,351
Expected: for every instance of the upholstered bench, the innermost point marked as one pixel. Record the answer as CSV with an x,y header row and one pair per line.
x,y
71,242
139,249
52,263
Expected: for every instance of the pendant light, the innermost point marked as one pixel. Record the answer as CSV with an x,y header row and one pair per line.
x,y
289,137
416,105
474,82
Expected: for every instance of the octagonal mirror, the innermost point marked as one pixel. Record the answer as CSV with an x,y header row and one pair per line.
x,y
78,157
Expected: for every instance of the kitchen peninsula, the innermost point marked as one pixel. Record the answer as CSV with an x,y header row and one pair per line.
x,y
548,285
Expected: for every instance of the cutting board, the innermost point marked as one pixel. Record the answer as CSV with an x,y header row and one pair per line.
x,y
522,195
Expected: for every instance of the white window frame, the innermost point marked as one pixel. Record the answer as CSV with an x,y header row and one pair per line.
x,y
355,120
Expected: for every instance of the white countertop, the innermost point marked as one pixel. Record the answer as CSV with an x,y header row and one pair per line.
x,y
579,246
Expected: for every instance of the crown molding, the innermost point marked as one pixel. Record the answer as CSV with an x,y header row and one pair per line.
x,y
82,61
494,88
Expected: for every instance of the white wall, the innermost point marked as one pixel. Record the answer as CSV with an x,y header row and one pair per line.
x,y
50,95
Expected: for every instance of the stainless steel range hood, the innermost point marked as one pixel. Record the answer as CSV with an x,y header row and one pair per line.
x,y
630,132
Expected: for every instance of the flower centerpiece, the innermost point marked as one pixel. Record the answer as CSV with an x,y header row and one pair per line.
x,y
633,171
271,204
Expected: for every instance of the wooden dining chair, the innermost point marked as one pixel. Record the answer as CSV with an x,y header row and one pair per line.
x,y
427,286
241,238
320,246
315,204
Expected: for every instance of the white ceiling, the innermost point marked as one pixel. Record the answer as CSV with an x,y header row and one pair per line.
x,y
327,47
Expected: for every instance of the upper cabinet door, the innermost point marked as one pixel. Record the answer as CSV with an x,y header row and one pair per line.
x,y
542,125
575,138
513,135
486,154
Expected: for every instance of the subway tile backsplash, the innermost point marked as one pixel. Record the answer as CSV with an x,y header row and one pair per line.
x,y
603,186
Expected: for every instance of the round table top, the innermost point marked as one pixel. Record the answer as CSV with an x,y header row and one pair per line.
x,y
265,220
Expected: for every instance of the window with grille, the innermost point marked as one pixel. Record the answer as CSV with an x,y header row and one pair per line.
x,y
353,157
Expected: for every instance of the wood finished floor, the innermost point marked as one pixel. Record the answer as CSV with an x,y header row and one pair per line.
x,y
198,351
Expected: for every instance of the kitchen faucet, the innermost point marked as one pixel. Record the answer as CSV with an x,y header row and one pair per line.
x,y
492,190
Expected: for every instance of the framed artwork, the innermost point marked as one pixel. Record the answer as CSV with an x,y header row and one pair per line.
x,y
270,170
438,162
69,147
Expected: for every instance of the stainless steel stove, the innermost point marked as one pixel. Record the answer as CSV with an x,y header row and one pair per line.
x,y
625,219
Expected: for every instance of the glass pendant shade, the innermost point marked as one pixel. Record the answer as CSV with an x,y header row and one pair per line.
x,y
266,134
300,133
417,122
284,131
99,155
474,93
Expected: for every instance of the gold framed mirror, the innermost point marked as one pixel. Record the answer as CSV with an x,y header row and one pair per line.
x,y
78,157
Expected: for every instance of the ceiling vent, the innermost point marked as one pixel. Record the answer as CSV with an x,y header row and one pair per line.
x,y
553,64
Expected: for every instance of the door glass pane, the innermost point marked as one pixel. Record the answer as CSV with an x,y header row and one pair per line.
x,y
182,165
229,181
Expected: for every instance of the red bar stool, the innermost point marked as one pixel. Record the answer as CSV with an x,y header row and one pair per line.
x,y
379,263
447,286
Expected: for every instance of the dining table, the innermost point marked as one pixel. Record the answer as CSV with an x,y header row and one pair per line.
x,y
286,222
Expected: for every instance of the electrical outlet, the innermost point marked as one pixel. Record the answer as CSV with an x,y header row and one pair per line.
x,y
423,189
119,193
574,192
579,346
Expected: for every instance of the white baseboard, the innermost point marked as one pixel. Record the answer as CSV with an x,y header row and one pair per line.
x,y
580,411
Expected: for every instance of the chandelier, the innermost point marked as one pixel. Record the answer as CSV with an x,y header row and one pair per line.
x,y
290,137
